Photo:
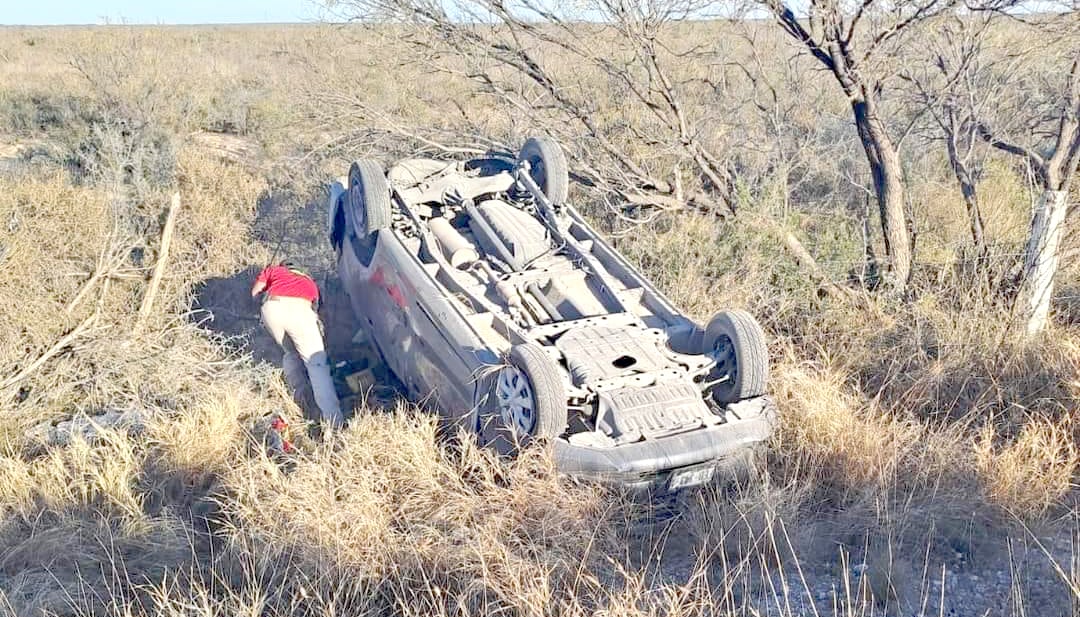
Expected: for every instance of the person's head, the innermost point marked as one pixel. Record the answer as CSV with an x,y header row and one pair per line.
x,y
293,267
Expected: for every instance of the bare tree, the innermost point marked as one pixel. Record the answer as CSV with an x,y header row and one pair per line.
x,y
661,145
859,44
1035,117
946,84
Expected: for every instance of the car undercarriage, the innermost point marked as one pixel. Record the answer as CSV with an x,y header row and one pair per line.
x,y
492,298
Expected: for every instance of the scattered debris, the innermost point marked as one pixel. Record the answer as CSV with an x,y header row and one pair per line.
x,y
360,380
88,428
275,434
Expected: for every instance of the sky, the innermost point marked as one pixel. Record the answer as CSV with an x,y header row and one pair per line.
x,y
56,12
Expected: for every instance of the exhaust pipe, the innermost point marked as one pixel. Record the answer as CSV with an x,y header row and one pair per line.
x,y
459,251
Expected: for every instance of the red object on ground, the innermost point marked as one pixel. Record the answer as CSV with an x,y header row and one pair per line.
x,y
281,281
280,425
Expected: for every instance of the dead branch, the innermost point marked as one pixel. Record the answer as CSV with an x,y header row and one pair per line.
x,y
63,343
109,265
159,267
806,261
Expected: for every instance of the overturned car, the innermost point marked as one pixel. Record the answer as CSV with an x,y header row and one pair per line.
x,y
494,302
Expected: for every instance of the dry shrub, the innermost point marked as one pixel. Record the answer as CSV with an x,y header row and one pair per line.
x,y
106,474
51,235
850,447
130,161
67,248
55,238
207,436
854,475
73,527
85,526
88,564
698,263
936,361
79,476
420,523
1033,472
737,527
220,199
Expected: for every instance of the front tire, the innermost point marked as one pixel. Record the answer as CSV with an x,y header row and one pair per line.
x,y
368,197
735,340
530,395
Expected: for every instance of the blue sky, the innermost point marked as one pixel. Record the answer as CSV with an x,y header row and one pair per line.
x,y
50,12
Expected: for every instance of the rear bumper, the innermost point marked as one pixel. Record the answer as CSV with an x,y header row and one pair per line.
x,y
647,464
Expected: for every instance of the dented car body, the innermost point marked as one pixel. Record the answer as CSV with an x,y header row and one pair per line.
x,y
494,302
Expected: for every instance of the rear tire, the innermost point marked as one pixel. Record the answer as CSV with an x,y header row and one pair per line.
x,y
530,395
737,342
368,197
547,167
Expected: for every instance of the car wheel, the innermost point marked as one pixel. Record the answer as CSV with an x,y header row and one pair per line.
x,y
530,394
547,166
736,342
368,197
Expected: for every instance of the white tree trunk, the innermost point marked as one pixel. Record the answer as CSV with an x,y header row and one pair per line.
x,y
1041,259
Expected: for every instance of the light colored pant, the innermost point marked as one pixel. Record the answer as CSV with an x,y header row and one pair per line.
x,y
295,317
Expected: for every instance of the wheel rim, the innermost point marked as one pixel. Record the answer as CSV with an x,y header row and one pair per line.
x,y
538,173
723,353
516,403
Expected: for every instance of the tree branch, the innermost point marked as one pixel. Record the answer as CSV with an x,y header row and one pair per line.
x,y
790,23
1033,158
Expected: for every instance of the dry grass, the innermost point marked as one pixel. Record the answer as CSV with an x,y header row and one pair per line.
x,y
910,433
1032,473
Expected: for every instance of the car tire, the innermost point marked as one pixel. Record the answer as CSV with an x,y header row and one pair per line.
x,y
531,372
547,167
736,340
368,197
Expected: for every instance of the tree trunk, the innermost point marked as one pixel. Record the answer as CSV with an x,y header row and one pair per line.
x,y
1041,260
888,178
971,200
967,189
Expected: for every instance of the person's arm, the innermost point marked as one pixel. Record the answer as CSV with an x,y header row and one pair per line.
x,y
260,282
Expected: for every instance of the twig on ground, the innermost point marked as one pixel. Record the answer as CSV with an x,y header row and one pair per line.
x,y
108,266
56,348
159,268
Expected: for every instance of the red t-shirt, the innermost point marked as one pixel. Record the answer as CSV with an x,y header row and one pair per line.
x,y
281,281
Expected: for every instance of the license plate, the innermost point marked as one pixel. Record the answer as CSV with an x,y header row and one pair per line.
x,y
685,478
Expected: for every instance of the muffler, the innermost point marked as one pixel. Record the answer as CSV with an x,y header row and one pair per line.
x,y
459,251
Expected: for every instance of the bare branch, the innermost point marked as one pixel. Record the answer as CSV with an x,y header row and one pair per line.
x,y
1033,158
790,23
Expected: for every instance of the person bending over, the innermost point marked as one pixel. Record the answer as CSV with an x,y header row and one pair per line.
x,y
289,310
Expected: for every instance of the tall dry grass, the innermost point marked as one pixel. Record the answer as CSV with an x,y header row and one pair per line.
x,y
918,440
